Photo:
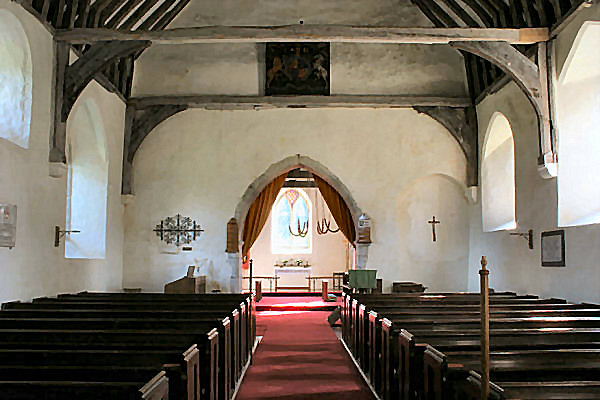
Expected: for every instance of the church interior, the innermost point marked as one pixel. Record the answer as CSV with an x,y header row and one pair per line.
x,y
300,200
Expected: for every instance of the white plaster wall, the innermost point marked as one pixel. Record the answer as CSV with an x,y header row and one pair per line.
x,y
237,69
513,266
328,251
277,12
35,267
199,163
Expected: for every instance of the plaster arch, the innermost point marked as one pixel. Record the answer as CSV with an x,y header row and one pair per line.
x,y
257,186
284,166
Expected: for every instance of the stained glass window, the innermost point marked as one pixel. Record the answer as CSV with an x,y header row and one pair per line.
x,y
291,229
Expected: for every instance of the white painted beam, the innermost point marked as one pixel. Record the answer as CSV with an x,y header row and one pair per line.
x,y
309,33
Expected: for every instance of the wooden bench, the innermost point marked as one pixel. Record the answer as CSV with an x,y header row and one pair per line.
x,y
561,389
443,379
179,312
207,344
239,349
155,389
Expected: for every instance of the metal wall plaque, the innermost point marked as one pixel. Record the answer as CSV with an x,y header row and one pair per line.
x,y
8,225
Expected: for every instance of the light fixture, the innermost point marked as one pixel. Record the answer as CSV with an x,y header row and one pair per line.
x,y
527,236
59,234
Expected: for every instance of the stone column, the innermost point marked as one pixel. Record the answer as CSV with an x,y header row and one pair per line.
x,y
364,241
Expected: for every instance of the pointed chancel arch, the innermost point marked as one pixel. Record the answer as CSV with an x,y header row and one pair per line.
x,y
498,192
15,81
270,180
578,109
87,191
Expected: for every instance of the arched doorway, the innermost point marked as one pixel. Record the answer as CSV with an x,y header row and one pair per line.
x,y
235,252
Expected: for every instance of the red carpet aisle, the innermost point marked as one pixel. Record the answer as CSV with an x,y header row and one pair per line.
x,y
300,357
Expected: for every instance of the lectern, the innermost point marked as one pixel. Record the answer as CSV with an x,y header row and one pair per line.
x,y
187,285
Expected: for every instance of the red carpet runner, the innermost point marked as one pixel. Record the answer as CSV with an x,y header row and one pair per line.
x,y
300,357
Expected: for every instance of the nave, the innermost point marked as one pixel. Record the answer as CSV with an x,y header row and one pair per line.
x,y
300,357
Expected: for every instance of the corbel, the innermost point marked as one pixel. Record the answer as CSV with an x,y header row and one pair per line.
x,y
462,124
70,80
139,122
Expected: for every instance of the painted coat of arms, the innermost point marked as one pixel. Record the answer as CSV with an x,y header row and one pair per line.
x,y
297,69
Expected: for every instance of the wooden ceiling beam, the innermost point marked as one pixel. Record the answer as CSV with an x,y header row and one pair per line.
x,y
170,16
117,18
430,15
462,14
134,18
309,33
442,15
109,10
503,11
268,102
156,15
486,15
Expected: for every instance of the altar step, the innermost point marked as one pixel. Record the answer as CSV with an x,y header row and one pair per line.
x,y
296,302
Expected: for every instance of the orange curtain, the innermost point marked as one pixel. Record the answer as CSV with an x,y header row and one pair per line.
x,y
259,212
338,208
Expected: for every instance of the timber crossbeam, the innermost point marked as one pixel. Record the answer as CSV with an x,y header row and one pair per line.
x,y
210,102
308,33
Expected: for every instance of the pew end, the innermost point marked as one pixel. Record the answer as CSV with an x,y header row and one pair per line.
x,y
157,388
471,390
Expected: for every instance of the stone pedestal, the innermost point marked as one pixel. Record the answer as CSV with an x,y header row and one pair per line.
x,y
233,259
362,255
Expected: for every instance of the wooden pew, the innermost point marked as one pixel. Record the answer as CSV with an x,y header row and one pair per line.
x,y
237,349
534,390
181,368
444,379
366,330
411,348
155,389
139,340
379,348
206,319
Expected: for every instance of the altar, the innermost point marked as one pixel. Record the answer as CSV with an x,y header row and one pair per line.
x,y
293,278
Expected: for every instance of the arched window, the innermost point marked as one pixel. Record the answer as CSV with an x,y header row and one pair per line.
x,y
15,81
578,114
292,210
88,184
498,192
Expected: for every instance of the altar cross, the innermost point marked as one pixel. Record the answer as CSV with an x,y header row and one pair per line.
x,y
433,223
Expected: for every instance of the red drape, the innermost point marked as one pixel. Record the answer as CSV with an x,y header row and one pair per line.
x,y
259,212
338,208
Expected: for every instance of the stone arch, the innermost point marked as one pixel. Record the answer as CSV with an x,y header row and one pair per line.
x,y
16,80
276,169
286,165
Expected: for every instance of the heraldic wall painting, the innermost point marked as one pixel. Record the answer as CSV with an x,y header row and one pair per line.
x,y
297,69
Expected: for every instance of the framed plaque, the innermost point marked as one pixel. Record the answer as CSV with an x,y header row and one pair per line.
x,y
8,225
553,249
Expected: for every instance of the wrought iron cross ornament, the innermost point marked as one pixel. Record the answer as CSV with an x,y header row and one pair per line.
x,y
433,223
178,229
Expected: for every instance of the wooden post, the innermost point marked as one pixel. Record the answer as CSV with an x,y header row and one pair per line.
x,y
379,286
250,283
324,291
258,291
485,329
